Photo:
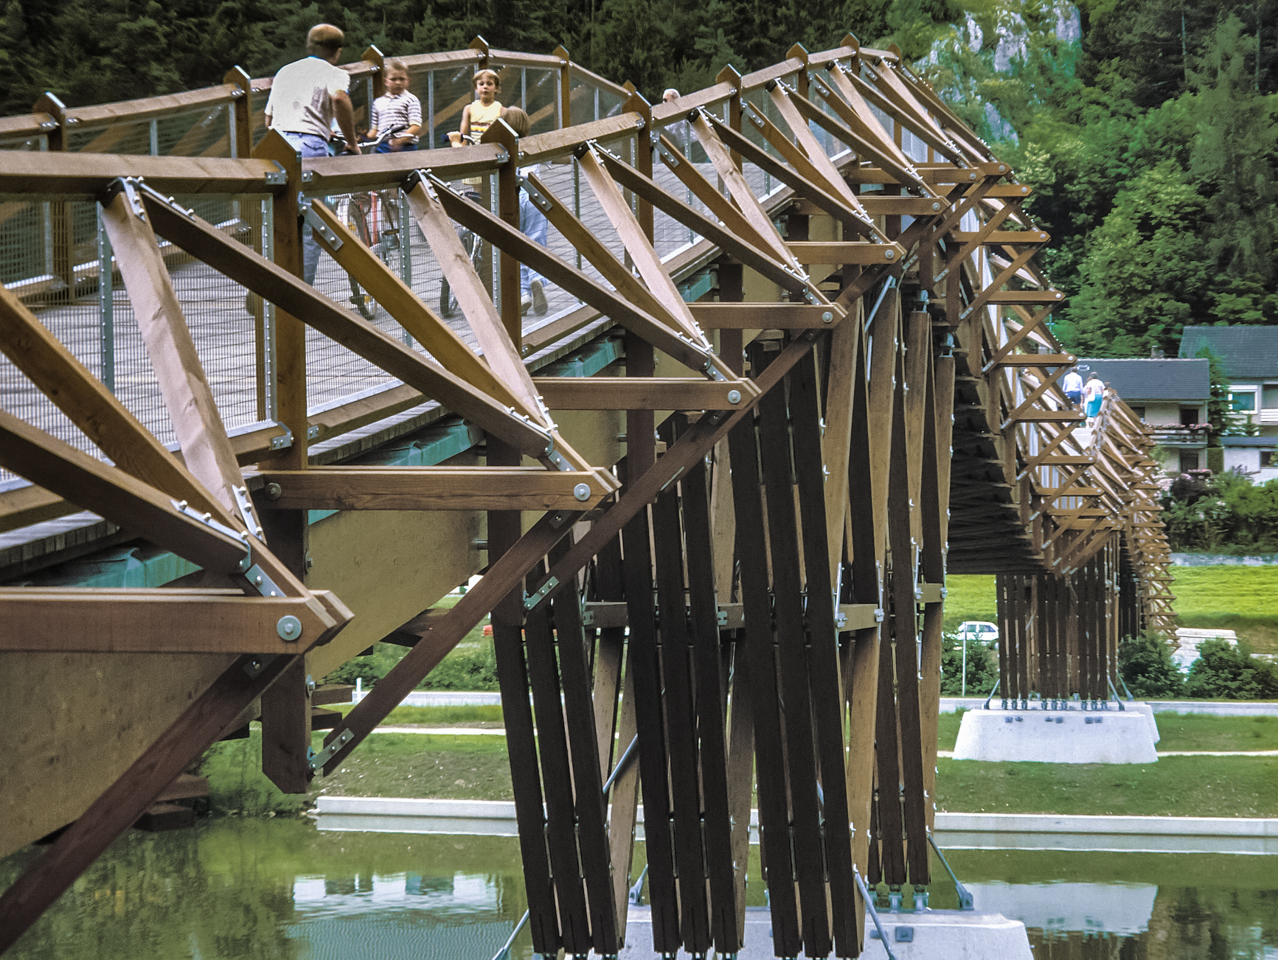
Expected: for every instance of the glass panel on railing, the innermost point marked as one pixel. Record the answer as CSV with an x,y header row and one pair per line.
x,y
205,132
452,88
541,91
25,143
130,138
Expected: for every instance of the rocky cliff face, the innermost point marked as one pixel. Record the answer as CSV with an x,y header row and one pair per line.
x,y
1002,60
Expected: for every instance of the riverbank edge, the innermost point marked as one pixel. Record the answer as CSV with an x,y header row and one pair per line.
x,y
500,810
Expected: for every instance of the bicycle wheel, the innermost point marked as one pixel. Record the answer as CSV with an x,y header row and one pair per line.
x,y
351,212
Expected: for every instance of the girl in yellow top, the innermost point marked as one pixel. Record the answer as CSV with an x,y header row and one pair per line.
x,y
477,117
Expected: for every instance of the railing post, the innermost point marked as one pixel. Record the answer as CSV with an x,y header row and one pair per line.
x,y
801,52
286,707
729,74
480,44
60,222
241,112
565,85
377,76
640,358
290,333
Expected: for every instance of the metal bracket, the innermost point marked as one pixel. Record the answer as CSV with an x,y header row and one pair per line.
x,y
276,178
557,458
330,750
285,440
261,581
129,187
535,195
319,226
543,591
245,503
186,509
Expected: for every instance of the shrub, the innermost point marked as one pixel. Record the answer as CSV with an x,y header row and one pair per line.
x,y
1230,672
1146,666
369,668
982,667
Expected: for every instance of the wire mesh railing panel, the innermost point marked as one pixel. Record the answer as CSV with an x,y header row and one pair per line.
x,y
204,132
229,324
34,236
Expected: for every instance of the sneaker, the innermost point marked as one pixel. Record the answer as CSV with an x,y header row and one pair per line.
x,y
524,303
538,297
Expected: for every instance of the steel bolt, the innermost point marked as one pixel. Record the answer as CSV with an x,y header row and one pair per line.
x,y
734,396
290,628
581,491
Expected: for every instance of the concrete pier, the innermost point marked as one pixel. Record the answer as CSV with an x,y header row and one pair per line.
x,y
1070,735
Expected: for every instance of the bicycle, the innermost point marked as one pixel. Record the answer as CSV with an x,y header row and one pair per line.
x,y
363,214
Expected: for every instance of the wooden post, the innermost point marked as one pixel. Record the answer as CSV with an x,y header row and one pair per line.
x,y
60,217
565,85
242,110
378,75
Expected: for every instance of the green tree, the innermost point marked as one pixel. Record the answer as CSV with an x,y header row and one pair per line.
x,y
1144,274
1233,164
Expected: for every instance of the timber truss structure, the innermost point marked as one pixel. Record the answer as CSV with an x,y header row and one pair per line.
x,y
750,594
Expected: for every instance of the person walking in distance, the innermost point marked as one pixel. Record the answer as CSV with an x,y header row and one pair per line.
x,y
307,96
1072,384
1093,393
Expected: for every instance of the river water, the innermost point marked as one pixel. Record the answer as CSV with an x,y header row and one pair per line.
x,y
233,889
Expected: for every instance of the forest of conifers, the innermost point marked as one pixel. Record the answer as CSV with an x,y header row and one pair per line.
x,y
1148,128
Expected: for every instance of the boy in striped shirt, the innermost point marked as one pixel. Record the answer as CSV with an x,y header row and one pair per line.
x,y
397,113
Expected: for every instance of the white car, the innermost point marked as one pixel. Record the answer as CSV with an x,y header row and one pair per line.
x,y
981,630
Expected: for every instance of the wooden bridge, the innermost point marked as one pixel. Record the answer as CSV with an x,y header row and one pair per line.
x,y
795,367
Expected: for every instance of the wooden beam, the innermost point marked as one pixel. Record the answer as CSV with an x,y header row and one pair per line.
x,y
438,488
70,620
642,393
766,316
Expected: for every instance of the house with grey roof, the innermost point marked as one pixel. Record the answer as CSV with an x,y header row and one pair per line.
x,y
1249,356
1169,395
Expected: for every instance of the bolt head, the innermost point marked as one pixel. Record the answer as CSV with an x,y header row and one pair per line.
x,y
734,396
289,629
274,491
581,491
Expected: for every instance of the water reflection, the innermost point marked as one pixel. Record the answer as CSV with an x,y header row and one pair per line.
x,y
281,890
241,889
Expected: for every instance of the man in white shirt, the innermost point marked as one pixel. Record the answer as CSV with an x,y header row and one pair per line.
x,y
306,97
1073,386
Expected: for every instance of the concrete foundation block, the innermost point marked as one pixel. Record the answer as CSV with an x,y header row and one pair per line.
x,y
1072,735
926,935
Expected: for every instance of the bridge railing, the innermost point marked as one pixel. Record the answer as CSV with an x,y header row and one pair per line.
x,y
55,255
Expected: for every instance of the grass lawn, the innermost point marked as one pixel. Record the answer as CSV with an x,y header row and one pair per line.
x,y
1215,597
422,765
1196,731
1230,598
969,597
1172,787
